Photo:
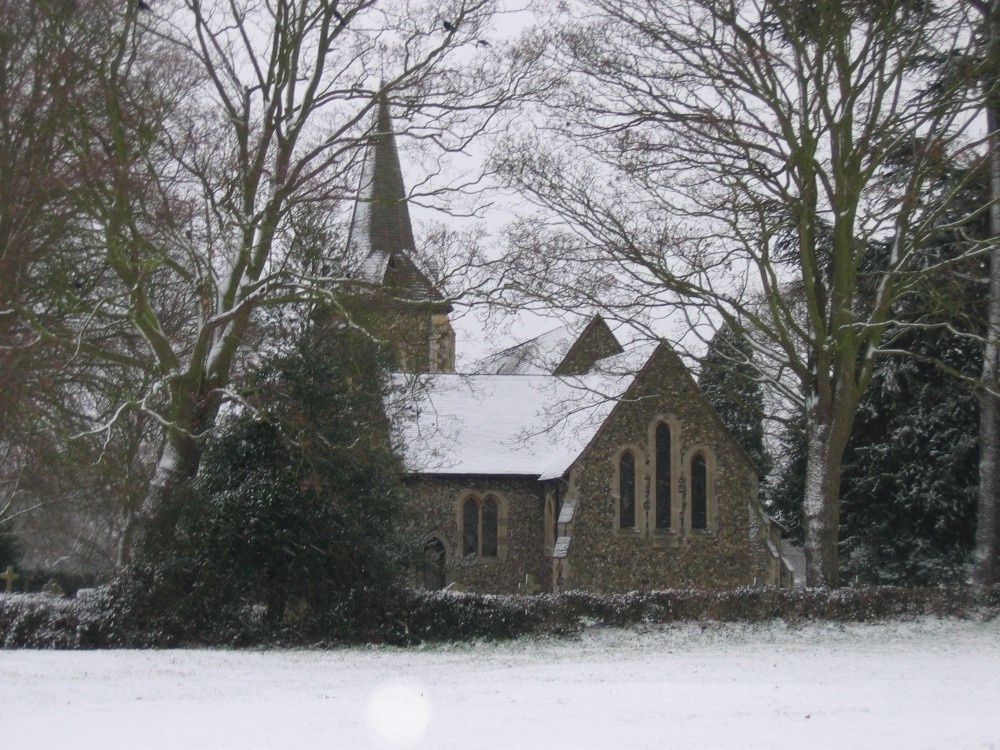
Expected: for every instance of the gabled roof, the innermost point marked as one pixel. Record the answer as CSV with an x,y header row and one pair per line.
x,y
380,229
564,351
524,425
538,356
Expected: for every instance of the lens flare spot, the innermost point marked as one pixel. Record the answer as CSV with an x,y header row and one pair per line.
x,y
398,713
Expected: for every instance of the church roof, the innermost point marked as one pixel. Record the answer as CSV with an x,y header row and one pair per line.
x,y
538,356
525,425
380,230
565,350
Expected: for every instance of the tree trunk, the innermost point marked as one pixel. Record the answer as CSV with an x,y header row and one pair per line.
x,y
154,528
194,411
986,560
826,441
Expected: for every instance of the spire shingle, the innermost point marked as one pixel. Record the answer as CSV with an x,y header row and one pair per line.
x,y
380,227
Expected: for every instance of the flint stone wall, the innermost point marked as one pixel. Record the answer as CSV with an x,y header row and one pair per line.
x,y
726,555
433,512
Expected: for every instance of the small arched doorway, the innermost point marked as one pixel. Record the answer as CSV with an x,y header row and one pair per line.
x,y
433,565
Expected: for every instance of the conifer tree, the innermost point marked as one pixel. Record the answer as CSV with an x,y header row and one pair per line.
x,y
910,477
297,506
729,381
302,498
785,495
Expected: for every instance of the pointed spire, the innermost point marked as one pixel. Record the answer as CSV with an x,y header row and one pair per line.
x,y
380,227
381,221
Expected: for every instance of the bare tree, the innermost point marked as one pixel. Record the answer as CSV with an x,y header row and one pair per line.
x,y
772,165
48,280
209,135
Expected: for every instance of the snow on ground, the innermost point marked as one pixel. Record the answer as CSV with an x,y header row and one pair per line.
x,y
924,684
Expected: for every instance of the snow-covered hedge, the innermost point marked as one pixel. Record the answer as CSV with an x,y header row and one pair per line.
x,y
448,616
442,615
756,605
43,621
408,617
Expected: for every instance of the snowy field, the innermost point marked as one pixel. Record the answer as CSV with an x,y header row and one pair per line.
x,y
924,684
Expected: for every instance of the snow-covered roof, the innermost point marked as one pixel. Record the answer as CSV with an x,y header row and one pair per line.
x,y
533,425
538,356
372,269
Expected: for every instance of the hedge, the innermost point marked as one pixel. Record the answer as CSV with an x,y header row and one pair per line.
x,y
411,617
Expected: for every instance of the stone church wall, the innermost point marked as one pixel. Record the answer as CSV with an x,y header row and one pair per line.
x,y
433,512
605,558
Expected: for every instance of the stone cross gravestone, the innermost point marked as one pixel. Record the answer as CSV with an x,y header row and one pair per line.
x,y
9,576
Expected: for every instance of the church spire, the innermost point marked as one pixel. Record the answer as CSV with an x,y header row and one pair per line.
x,y
401,303
381,221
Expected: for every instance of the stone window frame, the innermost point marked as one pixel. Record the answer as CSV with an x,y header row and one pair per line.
x,y
549,523
711,499
676,472
639,461
480,497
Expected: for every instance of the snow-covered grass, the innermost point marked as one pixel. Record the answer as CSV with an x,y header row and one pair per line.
x,y
924,684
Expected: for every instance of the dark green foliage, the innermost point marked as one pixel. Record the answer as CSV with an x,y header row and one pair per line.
x,y
299,511
786,491
910,474
910,477
9,554
54,622
729,381
446,616
293,531
407,617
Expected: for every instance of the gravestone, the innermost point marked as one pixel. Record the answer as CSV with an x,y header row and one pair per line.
x,y
9,576
529,586
52,588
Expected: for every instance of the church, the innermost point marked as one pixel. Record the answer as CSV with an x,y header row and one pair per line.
x,y
565,462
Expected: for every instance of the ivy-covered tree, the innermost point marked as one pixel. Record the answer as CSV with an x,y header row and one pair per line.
x,y
729,381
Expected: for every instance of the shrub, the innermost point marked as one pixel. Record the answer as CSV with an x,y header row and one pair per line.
x,y
52,622
405,617
291,533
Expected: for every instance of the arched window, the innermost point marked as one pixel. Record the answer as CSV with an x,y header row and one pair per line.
x,y
470,526
663,484
483,527
699,492
626,491
490,512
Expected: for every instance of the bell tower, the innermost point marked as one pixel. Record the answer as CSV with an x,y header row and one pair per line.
x,y
395,300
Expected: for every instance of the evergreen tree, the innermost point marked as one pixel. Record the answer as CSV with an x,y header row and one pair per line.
x,y
786,491
910,478
729,381
910,472
301,506
298,503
